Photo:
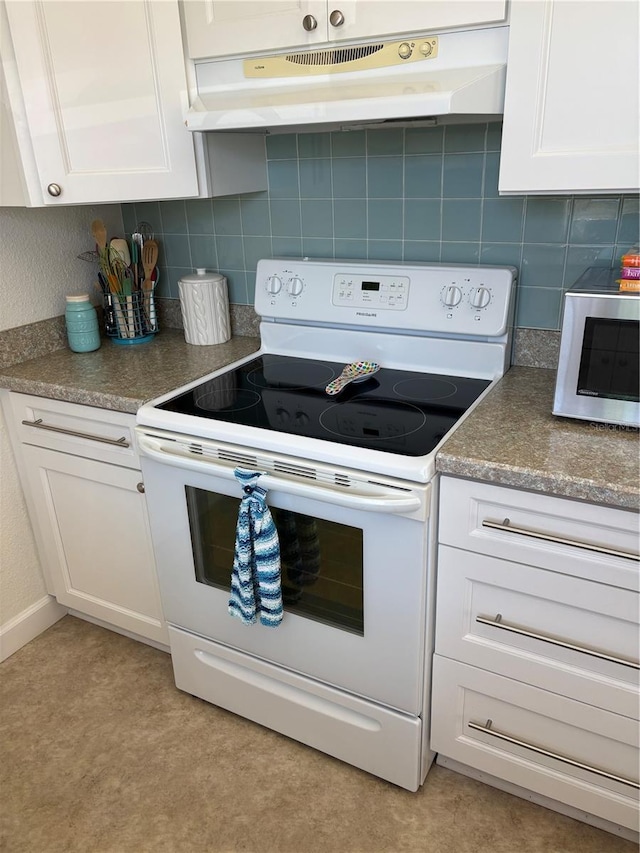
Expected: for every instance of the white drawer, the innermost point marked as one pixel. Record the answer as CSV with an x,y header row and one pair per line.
x,y
371,737
564,634
573,753
99,434
553,533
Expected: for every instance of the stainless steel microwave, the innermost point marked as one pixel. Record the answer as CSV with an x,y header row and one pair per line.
x,y
598,365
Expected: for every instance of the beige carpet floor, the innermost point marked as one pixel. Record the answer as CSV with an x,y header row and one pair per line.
x,y
100,753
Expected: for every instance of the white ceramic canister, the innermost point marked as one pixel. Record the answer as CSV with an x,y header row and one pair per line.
x,y
204,301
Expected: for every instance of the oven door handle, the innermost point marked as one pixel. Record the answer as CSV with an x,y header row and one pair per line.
x,y
387,501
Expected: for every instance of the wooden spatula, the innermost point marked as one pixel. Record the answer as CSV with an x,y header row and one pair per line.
x,y
149,261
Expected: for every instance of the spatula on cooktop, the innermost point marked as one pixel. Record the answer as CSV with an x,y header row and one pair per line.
x,y
352,373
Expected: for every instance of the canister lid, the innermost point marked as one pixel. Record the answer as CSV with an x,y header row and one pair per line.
x,y
202,276
82,297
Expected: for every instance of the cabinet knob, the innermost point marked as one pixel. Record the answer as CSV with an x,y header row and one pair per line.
x,y
54,190
309,23
336,18
140,488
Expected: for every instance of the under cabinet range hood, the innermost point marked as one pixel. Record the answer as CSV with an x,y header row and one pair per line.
x,y
429,78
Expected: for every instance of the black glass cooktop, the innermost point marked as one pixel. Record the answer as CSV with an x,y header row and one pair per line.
x,y
397,411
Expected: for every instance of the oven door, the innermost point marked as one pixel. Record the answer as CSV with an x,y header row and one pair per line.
x,y
354,564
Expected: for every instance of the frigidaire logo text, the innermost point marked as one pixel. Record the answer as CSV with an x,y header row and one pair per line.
x,y
366,314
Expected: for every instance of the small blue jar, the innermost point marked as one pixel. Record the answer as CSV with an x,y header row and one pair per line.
x,y
83,332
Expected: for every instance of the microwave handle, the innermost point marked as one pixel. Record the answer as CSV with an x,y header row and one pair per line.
x,y
388,503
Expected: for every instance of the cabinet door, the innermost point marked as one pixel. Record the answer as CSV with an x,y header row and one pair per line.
x,y
91,525
104,91
571,103
365,19
226,27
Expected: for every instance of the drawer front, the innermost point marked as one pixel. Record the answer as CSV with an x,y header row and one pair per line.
x,y
80,430
365,735
571,752
564,634
571,537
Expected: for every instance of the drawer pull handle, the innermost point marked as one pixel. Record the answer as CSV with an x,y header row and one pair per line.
x,y
119,442
547,537
505,626
487,729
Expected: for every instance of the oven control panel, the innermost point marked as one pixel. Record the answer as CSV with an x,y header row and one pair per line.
x,y
384,292
437,298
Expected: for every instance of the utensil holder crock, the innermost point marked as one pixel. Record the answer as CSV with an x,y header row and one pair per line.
x,y
130,319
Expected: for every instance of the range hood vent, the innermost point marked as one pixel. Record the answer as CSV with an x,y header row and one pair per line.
x,y
334,56
449,75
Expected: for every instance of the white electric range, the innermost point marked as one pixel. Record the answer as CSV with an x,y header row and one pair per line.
x,y
351,486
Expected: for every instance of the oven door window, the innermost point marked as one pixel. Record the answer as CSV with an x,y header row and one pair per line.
x,y
321,561
609,359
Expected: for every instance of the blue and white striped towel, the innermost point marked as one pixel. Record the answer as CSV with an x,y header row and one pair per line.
x,y
255,579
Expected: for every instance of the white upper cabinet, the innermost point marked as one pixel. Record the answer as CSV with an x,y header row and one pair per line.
x,y
226,27
93,98
222,27
571,108
372,18
101,87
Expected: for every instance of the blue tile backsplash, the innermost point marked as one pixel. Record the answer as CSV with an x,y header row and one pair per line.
x,y
414,194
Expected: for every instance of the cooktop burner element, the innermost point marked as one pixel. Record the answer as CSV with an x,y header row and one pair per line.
x,y
425,388
397,411
291,373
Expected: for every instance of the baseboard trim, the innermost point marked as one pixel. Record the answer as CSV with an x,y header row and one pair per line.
x,y
29,624
163,647
538,799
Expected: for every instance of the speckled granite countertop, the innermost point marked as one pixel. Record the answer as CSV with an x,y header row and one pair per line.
x,y
122,378
512,438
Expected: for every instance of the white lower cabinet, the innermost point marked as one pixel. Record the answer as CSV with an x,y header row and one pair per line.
x,y
536,672
83,487
577,754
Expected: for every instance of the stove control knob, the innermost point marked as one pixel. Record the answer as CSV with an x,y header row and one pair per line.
x,y
451,296
295,286
282,415
274,284
302,419
480,297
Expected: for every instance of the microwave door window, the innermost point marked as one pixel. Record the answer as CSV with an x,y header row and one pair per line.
x,y
321,561
609,361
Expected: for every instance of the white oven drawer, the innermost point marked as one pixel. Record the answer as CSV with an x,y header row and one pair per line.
x,y
571,752
86,431
571,537
561,633
368,736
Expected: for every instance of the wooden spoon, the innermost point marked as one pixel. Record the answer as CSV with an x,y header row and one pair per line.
x,y
99,232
